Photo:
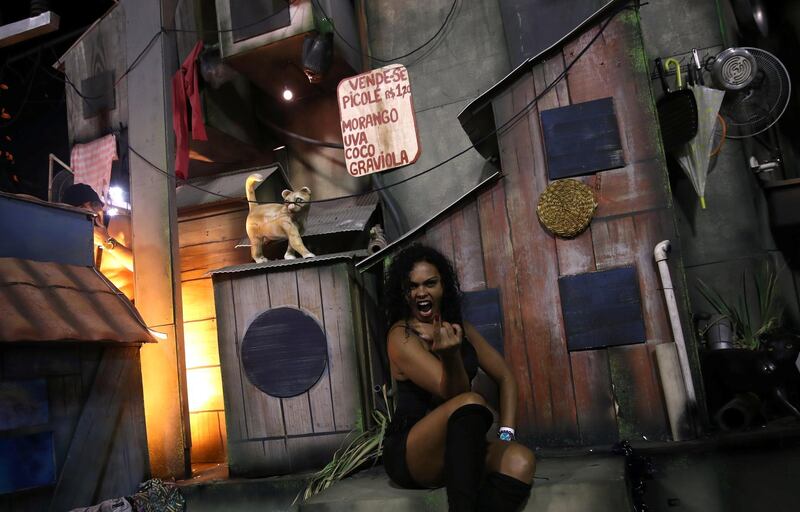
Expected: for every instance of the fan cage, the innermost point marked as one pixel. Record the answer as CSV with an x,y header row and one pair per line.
x,y
757,107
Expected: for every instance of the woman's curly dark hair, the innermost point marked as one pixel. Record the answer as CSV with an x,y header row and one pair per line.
x,y
395,304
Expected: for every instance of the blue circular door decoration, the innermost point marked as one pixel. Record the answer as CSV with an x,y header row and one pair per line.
x,y
284,352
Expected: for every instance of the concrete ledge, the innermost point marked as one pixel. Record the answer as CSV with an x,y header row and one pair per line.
x,y
217,492
574,484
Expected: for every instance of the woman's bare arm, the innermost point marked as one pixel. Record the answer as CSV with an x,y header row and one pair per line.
x,y
495,366
443,376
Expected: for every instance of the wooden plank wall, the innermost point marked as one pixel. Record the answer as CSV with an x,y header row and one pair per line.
x,y
207,241
101,49
269,435
595,396
72,378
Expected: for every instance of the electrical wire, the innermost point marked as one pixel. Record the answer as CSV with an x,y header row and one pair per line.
x,y
382,60
302,138
136,61
164,30
149,45
506,125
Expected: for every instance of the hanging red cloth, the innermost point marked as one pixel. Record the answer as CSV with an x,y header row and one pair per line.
x,y
185,87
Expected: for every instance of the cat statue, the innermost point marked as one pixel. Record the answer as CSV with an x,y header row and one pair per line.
x,y
268,222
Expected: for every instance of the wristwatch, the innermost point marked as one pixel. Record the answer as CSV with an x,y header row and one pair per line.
x,y
505,434
110,244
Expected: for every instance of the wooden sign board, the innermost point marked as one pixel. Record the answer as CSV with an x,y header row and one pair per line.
x,y
379,127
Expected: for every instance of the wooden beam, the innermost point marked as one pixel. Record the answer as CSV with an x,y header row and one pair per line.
x,y
28,28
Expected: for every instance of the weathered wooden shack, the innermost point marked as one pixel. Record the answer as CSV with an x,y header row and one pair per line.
x,y
293,352
567,397
72,429
211,222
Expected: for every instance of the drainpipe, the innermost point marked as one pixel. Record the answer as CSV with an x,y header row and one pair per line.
x,y
661,252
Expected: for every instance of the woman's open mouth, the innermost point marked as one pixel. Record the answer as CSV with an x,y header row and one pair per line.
x,y
425,307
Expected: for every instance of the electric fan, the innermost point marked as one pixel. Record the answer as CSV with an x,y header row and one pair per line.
x,y
758,105
61,182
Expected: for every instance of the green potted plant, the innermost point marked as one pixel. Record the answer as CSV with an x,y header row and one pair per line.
x,y
749,322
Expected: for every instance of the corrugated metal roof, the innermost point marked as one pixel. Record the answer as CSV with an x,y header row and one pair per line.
x,y
339,216
221,187
299,262
350,214
45,302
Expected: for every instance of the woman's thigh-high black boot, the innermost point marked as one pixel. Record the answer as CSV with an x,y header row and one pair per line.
x,y
465,455
502,493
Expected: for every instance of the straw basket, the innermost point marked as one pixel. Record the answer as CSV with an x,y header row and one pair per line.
x,y
566,207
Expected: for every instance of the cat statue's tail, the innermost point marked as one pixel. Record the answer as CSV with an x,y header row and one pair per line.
x,y
250,186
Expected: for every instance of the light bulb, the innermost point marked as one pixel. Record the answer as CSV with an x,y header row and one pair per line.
x,y
287,94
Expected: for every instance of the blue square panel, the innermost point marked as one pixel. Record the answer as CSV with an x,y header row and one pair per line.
x,y
602,309
581,139
26,461
482,309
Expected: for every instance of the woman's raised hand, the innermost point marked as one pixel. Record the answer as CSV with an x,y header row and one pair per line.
x,y
446,336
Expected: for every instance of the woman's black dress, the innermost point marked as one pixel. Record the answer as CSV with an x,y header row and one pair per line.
x,y
412,403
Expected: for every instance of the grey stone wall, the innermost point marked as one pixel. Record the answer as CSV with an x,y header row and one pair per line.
x,y
467,59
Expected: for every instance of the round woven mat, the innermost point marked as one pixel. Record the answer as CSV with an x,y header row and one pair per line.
x,y
566,207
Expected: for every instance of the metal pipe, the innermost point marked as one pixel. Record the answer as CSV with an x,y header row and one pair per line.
x,y
661,252
669,371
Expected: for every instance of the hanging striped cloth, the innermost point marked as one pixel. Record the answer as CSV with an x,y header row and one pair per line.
x,y
91,163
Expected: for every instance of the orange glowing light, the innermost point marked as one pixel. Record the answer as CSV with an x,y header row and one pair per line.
x,y
204,389
203,376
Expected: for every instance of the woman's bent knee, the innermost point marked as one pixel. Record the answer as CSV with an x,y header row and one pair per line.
x,y
518,462
468,398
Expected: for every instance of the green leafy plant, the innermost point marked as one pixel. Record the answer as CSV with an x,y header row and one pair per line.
x,y
361,447
749,326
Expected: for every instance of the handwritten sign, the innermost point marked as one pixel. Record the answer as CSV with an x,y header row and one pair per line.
x,y
379,128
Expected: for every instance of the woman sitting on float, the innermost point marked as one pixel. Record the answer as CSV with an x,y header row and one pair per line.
x,y
438,432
